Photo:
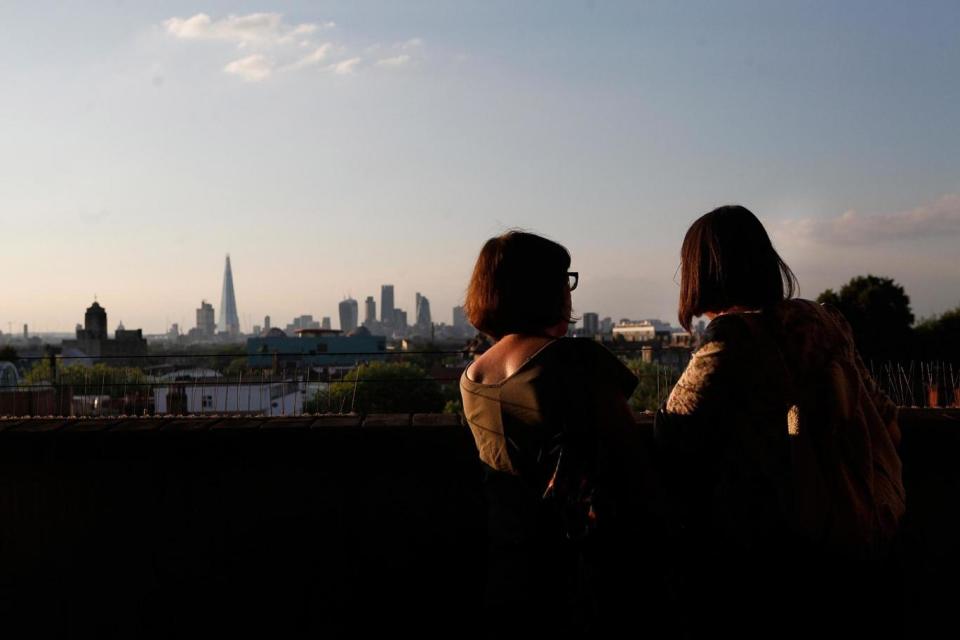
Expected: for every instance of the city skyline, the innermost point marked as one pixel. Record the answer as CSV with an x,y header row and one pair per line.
x,y
187,321
330,149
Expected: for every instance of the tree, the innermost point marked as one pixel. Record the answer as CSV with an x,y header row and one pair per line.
x,y
237,367
878,310
938,338
655,383
382,387
95,380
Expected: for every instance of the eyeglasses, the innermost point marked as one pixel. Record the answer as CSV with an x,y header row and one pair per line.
x,y
573,277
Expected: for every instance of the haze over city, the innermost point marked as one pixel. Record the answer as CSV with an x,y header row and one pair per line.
x,y
331,148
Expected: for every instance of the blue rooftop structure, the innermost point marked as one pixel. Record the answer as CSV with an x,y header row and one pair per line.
x,y
316,348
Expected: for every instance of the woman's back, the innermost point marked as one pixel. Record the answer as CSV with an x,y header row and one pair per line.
x,y
788,387
545,435
783,454
553,402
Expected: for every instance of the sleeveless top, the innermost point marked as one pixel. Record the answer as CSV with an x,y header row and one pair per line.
x,y
518,422
544,435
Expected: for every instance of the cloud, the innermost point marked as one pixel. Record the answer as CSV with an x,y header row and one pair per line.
x,y
345,67
275,45
313,58
253,28
940,218
396,61
252,68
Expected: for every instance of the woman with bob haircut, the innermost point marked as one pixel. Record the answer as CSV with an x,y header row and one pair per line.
x,y
778,449
556,439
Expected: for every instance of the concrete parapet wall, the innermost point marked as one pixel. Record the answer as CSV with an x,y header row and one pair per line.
x,y
309,525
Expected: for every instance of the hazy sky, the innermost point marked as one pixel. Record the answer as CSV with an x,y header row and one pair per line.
x,y
331,147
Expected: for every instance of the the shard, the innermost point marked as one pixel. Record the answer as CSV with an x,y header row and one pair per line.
x,y
229,320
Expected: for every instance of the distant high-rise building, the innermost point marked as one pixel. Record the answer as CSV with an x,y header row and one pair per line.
x,y
591,324
460,318
266,323
205,324
26,331
399,320
386,303
349,312
369,312
302,322
422,313
229,320
606,325
94,322
325,323
257,330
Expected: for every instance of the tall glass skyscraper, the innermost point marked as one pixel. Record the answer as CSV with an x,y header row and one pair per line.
x,y
386,304
348,315
229,320
423,320
370,312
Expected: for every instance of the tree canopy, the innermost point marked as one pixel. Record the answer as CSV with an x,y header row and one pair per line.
x,y
8,354
938,338
100,378
384,387
878,310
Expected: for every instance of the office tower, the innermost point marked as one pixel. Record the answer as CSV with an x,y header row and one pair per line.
x,y
302,322
349,311
26,331
325,323
422,314
229,320
205,324
591,324
369,312
460,318
386,304
266,323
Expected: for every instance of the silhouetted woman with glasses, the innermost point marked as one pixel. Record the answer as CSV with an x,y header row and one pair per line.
x,y
557,442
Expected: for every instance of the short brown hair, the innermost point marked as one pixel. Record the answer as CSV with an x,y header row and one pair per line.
x,y
727,260
518,285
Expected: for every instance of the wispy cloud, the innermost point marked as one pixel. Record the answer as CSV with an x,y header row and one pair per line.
x,y
252,68
345,67
275,45
254,28
939,218
395,61
315,57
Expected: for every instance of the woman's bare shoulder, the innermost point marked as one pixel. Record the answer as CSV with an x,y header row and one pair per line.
x,y
505,358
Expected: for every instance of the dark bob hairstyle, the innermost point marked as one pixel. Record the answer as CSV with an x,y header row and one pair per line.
x,y
518,285
727,260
